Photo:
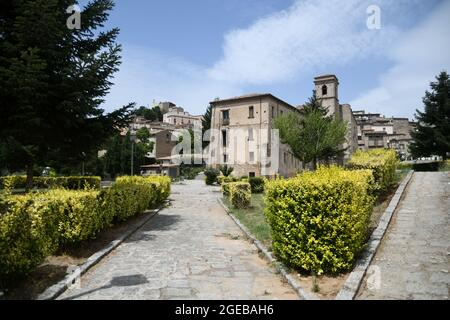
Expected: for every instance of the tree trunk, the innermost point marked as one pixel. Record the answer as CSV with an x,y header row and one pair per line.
x,y
315,164
29,182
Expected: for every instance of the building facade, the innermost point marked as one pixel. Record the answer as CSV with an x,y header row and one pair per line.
x,y
242,136
178,117
377,131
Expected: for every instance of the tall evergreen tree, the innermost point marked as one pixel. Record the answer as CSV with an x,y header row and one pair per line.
x,y
53,80
206,123
432,135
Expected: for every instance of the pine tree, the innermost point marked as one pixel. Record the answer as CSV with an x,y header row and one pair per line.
x,y
432,135
53,80
206,123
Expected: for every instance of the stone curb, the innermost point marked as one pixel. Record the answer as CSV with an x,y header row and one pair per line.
x,y
353,283
269,257
59,288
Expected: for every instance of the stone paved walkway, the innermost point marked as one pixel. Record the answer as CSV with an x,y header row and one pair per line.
x,y
413,261
191,250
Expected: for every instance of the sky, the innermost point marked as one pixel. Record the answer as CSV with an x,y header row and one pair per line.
x,y
191,52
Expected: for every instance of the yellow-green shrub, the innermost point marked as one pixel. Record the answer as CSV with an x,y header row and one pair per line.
x,y
226,189
240,194
132,195
222,179
383,162
71,183
29,232
35,225
319,220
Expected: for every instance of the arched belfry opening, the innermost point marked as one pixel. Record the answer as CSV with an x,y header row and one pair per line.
x,y
324,90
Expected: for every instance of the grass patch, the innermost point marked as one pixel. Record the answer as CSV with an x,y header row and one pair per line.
x,y
253,218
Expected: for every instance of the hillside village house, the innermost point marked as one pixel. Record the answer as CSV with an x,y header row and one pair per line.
x,y
242,135
377,131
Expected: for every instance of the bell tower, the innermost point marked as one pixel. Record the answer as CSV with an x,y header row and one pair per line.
x,y
326,87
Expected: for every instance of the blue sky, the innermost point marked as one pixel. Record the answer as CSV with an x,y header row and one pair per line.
x,y
190,52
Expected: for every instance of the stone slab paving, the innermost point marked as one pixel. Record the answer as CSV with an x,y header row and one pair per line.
x,y
190,250
413,261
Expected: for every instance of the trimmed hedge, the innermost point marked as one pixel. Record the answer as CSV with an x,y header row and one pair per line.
x,y
240,194
35,225
383,162
222,179
320,219
71,183
257,184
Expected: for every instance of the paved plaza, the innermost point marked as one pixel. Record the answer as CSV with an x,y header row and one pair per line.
x,y
190,250
413,261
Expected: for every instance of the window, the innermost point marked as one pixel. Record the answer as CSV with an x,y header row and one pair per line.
x,y
224,138
281,112
251,174
273,112
324,90
225,158
225,117
252,157
226,114
269,151
251,112
250,134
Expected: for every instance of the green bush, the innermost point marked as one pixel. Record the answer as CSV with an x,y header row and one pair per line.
x,y
28,233
383,162
226,171
71,183
211,176
132,195
35,225
257,184
427,167
224,179
240,194
320,219
226,189
190,173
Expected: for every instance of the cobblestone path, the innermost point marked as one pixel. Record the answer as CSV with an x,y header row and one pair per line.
x,y
413,261
190,250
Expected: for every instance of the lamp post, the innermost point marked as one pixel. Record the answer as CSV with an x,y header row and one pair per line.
x,y
132,139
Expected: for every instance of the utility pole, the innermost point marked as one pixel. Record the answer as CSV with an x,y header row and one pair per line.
x,y
133,139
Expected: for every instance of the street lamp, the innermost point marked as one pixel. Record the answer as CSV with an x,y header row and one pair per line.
x,y
132,139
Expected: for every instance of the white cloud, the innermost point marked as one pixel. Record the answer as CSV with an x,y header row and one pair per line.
x,y
307,35
146,75
418,57
310,35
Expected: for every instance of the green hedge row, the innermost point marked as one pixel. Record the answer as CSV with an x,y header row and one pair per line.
x,y
382,162
71,183
320,219
36,225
